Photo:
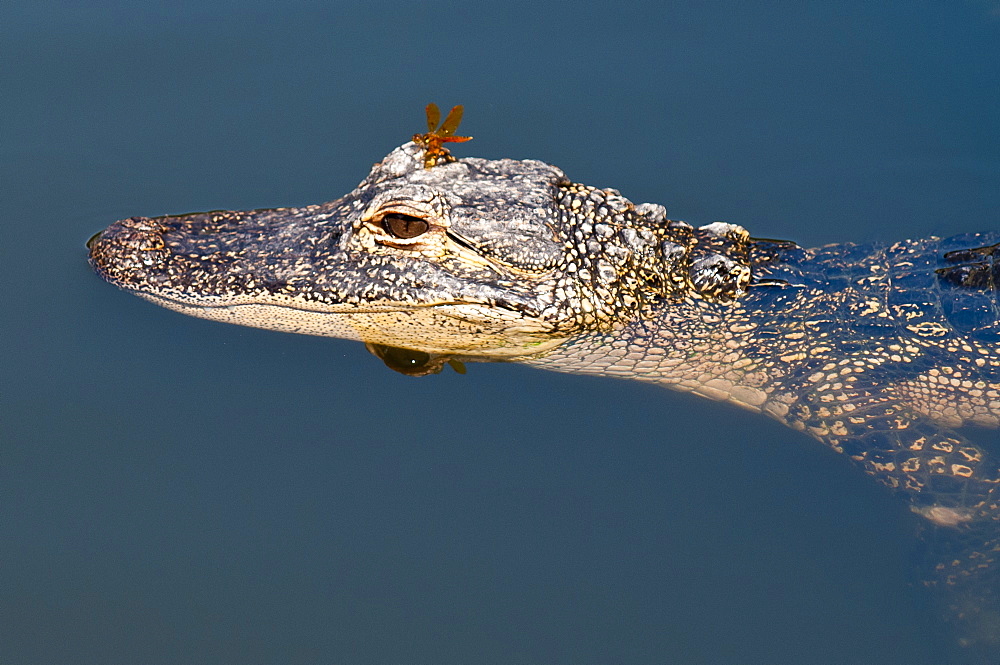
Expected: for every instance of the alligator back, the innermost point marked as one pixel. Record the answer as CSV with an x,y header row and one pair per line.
x,y
913,337
880,351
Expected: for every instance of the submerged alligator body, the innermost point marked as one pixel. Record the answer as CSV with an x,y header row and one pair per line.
x,y
878,351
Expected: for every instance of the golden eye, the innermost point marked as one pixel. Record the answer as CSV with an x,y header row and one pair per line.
x,y
404,226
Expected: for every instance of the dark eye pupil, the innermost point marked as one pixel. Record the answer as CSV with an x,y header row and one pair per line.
x,y
403,226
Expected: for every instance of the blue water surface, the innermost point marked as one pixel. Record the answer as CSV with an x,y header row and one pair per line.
x,y
179,491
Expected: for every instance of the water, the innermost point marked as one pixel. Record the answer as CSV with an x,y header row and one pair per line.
x,y
173,490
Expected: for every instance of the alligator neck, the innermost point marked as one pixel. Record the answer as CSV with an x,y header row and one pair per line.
x,y
736,351
694,359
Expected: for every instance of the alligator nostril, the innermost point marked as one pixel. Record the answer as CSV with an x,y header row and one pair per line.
x,y
129,251
93,239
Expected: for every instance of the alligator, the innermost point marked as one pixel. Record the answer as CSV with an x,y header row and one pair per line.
x,y
880,351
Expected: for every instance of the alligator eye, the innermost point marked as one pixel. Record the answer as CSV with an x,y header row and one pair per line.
x,y
404,226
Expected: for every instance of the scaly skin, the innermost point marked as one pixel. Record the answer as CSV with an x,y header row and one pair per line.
x,y
879,352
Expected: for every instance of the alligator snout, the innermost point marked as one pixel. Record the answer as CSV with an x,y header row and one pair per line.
x,y
129,251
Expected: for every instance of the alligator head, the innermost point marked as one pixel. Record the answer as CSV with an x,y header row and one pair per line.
x,y
472,258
